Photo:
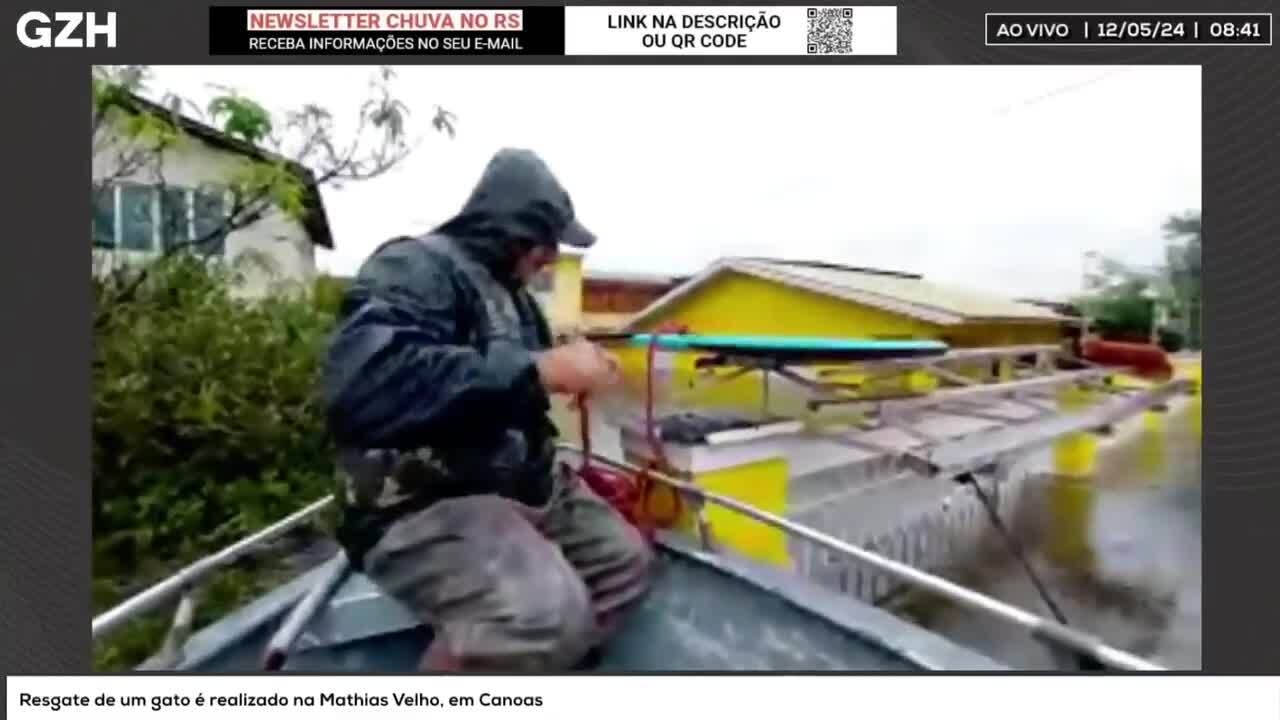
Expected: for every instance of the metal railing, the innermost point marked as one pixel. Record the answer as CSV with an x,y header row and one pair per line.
x,y
183,583
1056,634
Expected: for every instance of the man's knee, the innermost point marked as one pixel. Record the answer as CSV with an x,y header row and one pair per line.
x,y
499,595
608,551
622,578
635,556
543,621
568,630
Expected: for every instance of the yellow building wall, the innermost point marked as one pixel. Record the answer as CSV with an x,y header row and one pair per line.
x,y
565,306
994,334
605,321
746,305
762,485
973,335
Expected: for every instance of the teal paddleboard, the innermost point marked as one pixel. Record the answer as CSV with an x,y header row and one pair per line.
x,y
783,347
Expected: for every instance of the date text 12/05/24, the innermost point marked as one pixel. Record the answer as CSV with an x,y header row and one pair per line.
x,y
1177,29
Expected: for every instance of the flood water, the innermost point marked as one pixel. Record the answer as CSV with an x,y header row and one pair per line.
x,y
1120,553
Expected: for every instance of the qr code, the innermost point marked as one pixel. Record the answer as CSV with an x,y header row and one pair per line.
x,y
830,31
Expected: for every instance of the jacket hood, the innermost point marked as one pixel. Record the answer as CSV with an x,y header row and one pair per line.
x,y
517,202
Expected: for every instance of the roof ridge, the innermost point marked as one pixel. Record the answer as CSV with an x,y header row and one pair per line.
x,y
983,296
824,265
938,303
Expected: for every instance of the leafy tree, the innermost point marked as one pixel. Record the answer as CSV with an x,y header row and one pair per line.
x,y
286,159
1184,272
1118,298
1121,299
206,427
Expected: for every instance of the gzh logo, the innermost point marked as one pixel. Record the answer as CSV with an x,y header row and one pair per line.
x,y
74,29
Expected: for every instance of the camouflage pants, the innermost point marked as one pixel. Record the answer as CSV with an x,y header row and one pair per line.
x,y
508,587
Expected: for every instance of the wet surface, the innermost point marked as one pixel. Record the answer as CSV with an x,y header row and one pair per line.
x,y
698,617
1120,553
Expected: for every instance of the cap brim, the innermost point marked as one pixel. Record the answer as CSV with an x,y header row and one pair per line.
x,y
577,235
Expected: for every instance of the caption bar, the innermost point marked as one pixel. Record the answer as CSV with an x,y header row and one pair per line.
x,y
400,31
1115,29
931,696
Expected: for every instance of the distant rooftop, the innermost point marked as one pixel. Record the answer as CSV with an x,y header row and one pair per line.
x,y
898,292
1058,306
821,265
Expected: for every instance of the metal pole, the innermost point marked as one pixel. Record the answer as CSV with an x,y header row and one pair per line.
x,y
156,595
277,651
1038,627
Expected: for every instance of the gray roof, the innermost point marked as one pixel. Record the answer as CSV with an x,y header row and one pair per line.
x,y
901,293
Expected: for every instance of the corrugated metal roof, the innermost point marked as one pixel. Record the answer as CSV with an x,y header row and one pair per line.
x,y
909,295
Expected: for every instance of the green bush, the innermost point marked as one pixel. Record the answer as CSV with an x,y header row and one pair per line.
x,y
206,427
327,293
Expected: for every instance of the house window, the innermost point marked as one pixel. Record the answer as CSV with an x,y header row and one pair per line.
x,y
143,218
209,214
104,217
137,217
175,217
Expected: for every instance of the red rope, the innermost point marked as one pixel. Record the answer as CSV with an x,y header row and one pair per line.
x,y
630,493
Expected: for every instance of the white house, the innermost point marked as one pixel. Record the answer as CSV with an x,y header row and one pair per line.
x,y
179,195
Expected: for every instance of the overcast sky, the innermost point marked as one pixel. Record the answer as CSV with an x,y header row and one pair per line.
x,y
990,177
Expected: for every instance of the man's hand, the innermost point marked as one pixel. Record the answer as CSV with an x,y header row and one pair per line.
x,y
578,367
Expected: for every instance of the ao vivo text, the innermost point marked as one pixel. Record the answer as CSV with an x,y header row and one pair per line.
x,y
1045,30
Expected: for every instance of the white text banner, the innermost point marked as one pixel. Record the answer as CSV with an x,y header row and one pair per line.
x,y
469,697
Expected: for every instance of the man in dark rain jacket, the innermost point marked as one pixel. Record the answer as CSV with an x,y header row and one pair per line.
x,y
437,383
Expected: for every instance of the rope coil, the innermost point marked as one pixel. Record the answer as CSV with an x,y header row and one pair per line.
x,y
631,493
